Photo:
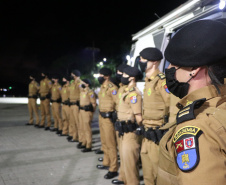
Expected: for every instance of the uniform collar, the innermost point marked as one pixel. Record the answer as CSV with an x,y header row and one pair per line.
x,y
207,92
152,77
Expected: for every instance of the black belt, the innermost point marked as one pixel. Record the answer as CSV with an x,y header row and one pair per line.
x,y
125,127
154,135
74,103
66,103
87,108
56,101
106,114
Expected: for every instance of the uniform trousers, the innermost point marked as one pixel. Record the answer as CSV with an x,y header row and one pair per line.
x,y
121,172
74,120
130,152
150,159
86,118
108,140
57,115
65,118
32,108
45,112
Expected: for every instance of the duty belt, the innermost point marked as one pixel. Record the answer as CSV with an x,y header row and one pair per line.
x,y
66,102
153,134
74,103
125,127
87,108
57,101
45,97
106,114
33,96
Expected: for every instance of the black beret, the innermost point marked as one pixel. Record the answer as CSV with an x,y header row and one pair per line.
x,y
132,71
151,54
121,67
105,71
87,81
67,77
197,44
76,72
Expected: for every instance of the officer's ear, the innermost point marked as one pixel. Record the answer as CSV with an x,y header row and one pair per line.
x,y
195,71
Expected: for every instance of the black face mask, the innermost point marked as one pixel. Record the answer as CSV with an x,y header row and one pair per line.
x,y
101,79
118,77
125,81
143,66
179,89
63,83
83,86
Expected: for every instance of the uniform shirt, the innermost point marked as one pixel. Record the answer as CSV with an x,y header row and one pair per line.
x,y
130,104
194,151
56,91
74,90
65,92
107,97
87,97
119,94
33,88
45,87
156,99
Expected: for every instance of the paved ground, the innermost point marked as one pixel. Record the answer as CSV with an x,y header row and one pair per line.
x,y
31,156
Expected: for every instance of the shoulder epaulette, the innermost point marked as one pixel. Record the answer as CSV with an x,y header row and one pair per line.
x,y
187,113
132,89
161,76
110,85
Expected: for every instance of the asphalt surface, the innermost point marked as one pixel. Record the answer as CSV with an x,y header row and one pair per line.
x,y
33,156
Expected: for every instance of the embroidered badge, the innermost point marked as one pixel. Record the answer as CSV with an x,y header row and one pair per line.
x,y
50,83
65,91
114,92
186,146
54,89
103,94
59,88
92,95
133,99
44,83
149,92
166,89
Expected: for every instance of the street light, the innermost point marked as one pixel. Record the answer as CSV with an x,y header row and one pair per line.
x,y
96,75
101,63
104,59
222,4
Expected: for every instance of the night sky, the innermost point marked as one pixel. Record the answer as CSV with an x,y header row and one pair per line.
x,y
56,36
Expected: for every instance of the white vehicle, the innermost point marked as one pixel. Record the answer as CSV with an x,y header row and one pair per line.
x,y
159,33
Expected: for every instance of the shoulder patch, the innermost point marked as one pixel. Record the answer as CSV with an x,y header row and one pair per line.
x,y
133,99
114,92
132,94
187,113
161,76
187,148
165,86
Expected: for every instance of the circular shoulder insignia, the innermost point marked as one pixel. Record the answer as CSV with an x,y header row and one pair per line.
x,y
114,92
133,99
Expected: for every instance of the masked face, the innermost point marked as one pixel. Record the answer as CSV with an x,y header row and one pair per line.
x,y
125,80
179,89
118,76
143,66
101,79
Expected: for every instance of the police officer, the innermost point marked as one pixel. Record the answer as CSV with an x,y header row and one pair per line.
x,y
155,111
129,111
33,89
87,108
45,89
56,104
119,72
74,97
65,106
193,150
107,98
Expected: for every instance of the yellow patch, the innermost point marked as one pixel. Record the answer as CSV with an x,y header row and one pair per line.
x,y
132,94
120,95
186,130
152,77
84,95
54,89
164,83
149,92
103,94
44,83
65,91
189,102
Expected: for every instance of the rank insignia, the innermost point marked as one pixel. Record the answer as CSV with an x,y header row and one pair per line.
x,y
186,146
133,99
114,92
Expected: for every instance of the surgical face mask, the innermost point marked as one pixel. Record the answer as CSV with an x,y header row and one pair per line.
x,y
143,66
125,81
101,79
83,86
179,89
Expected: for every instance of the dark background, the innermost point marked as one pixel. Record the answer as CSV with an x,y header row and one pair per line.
x,y
58,36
